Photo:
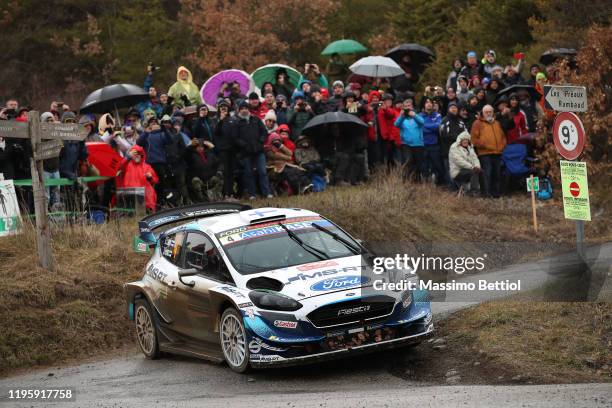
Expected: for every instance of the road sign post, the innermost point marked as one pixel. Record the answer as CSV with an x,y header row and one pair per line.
x,y
47,141
533,186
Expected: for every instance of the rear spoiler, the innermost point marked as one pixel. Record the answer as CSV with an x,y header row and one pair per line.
x,y
189,212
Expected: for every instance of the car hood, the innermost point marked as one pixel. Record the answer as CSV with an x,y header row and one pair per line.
x,y
322,277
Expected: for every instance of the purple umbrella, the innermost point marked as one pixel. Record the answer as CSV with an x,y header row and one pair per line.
x,y
211,88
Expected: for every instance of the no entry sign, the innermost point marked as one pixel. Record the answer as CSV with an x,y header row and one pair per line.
x,y
569,135
575,190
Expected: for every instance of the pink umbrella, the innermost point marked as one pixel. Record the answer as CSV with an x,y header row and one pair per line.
x,y
210,89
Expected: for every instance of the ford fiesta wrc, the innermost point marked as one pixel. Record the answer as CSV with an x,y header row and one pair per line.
x,y
264,287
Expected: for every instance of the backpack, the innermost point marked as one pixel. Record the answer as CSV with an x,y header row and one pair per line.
x,y
545,192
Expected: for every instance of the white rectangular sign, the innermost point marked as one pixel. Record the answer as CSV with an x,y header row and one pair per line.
x,y
564,98
10,219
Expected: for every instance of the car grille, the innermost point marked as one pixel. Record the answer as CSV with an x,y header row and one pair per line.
x,y
352,311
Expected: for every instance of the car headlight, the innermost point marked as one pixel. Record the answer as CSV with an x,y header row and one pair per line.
x,y
406,298
273,301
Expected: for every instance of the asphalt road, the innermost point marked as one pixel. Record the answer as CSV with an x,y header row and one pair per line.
x,y
130,380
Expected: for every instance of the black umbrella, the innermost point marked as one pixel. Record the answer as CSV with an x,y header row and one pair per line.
x,y
113,97
419,54
553,54
334,117
519,87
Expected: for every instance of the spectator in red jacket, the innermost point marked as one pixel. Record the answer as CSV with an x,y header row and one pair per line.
x,y
520,122
135,172
256,108
389,134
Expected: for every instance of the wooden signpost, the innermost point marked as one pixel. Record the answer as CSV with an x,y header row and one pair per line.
x,y
47,142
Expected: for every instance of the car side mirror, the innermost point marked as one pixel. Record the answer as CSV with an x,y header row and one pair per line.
x,y
183,273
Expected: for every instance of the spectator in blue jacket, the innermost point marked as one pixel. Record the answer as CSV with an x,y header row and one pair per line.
x,y
153,102
410,125
154,141
431,127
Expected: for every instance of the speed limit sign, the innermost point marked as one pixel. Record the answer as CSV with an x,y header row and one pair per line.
x,y
568,134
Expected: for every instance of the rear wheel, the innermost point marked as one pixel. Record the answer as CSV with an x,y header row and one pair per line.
x,y
233,340
146,330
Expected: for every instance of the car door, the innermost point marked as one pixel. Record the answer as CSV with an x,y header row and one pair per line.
x,y
200,253
171,301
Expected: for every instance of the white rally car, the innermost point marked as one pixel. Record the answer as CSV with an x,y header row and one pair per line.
x,y
264,287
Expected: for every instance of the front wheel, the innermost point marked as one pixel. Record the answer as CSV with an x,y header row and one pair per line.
x,y
234,341
146,332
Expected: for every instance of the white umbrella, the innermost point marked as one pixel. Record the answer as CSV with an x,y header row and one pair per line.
x,y
376,67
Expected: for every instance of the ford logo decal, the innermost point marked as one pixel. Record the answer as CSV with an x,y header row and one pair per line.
x,y
339,283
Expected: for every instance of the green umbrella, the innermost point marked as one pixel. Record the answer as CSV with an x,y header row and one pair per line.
x,y
344,47
267,73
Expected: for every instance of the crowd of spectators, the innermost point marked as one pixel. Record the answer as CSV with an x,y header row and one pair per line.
x,y
253,144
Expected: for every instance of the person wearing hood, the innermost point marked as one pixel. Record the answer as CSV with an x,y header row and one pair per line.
x,y
71,153
250,135
136,172
202,167
495,85
450,128
184,92
389,134
106,127
451,79
283,85
489,140
283,169
300,113
463,162
204,125
487,63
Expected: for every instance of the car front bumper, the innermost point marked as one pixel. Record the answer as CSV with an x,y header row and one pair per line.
x,y
267,361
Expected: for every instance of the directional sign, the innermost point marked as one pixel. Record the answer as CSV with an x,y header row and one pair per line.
x,y
62,131
11,128
565,98
48,149
569,135
575,188
10,220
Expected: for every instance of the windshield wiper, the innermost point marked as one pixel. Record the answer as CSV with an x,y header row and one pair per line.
x,y
338,238
312,250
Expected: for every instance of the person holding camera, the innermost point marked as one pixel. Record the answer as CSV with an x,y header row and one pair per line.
x,y
412,147
313,74
299,114
225,148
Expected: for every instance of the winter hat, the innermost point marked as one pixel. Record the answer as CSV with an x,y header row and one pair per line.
x,y
243,104
283,128
348,94
305,81
87,119
471,54
165,118
540,76
280,98
154,118
452,103
463,135
253,95
338,83
500,100
387,96
68,115
355,85
270,115
462,77
496,68
297,95
45,116
324,93
491,52
486,80
315,88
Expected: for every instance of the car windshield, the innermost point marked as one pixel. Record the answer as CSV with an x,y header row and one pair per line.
x,y
262,247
